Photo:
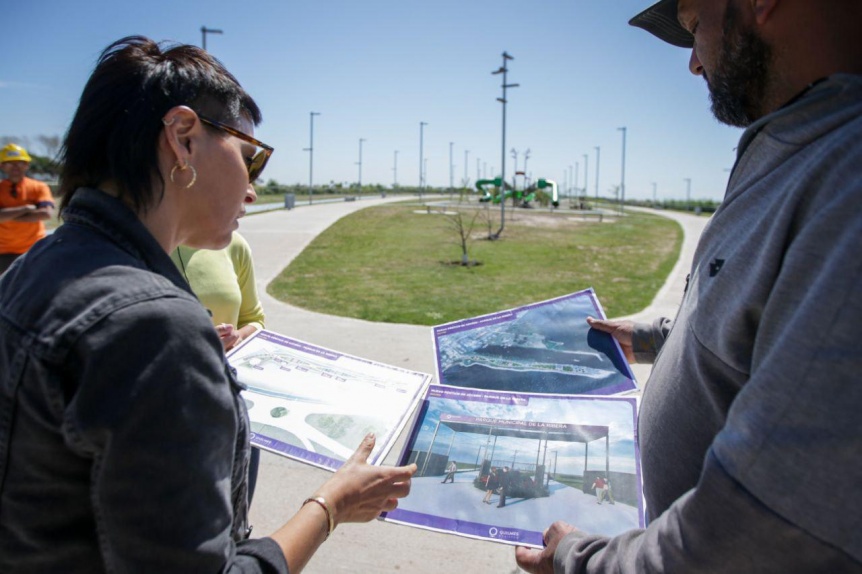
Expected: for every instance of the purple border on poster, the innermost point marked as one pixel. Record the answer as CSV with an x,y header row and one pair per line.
x,y
385,442
511,314
480,530
506,534
628,384
300,454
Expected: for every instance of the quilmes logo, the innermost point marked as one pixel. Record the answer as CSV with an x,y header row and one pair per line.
x,y
504,534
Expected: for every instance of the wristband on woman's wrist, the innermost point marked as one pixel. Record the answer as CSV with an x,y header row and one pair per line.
x,y
330,515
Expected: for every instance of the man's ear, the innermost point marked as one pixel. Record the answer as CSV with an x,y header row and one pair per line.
x,y
763,10
180,126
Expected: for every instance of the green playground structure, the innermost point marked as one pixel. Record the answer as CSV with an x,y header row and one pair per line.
x,y
490,189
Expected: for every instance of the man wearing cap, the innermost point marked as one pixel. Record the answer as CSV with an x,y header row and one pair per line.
x,y
24,204
756,392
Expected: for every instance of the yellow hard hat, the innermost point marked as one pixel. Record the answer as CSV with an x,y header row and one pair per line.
x,y
13,152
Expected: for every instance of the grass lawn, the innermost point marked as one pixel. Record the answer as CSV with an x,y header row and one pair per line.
x,y
389,264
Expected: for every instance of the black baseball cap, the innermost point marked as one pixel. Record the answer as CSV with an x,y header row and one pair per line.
x,y
660,20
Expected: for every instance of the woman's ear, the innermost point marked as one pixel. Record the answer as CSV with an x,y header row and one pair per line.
x,y
180,126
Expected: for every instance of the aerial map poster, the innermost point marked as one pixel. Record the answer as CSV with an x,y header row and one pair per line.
x,y
546,347
316,405
504,466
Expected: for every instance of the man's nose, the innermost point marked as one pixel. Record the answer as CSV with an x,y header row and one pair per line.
x,y
694,64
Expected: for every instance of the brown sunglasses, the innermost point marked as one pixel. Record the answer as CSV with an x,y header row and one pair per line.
x,y
256,164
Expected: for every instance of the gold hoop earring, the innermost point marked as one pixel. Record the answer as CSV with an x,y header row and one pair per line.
x,y
184,167
194,176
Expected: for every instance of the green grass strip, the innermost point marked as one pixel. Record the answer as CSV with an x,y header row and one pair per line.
x,y
388,263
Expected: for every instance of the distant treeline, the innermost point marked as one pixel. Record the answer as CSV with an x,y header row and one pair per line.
x,y
700,205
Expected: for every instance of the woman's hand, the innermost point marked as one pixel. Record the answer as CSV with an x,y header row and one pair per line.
x,y
359,491
542,561
228,335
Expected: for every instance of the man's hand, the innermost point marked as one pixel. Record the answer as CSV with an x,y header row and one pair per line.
x,y
542,561
619,330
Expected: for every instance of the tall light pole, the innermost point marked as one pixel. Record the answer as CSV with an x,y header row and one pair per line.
x,y
421,158
653,194
688,194
451,171
571,183
359,163
466,177
623,173
526,157
575,180
395,171
478,171
310,150
565,182
514,175
586,170
204,32
503,70
598,153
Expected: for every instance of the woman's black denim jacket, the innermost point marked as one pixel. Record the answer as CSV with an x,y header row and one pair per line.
x,y
123,438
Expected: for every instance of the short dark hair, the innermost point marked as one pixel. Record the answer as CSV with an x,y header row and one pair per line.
x,y
114,133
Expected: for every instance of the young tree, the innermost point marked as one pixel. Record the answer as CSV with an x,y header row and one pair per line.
x,y
464,230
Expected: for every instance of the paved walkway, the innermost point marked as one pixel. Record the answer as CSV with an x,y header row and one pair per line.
x,y
276,238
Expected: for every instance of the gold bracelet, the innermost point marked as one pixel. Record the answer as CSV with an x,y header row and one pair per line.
x,y
330,516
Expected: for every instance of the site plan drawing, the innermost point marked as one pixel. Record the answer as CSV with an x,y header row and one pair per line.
x,y
503,466
545,347
316,405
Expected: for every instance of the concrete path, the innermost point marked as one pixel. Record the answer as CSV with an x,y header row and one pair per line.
x,y
276,238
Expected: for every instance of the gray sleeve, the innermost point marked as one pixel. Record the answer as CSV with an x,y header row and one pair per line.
x,y
647,339
779,488
717,527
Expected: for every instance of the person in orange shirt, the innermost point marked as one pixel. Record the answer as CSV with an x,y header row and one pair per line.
x,y
24,204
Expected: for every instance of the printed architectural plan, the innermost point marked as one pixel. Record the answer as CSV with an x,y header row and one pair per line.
x,y
545,347
316,405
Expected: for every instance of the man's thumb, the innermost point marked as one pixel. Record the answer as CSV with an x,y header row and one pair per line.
x,y
599,325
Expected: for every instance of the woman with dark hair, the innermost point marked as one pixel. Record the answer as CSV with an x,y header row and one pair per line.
x,y
123,438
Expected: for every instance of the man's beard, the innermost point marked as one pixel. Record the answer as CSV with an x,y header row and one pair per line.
x,y
737,86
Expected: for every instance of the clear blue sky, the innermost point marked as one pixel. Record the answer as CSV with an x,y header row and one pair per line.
x,y
375,68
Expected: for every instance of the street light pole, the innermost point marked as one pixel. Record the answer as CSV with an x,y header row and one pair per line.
x,y
451,171
514,175
575,179
586,179
359,163
505,71
598,154
466,177
421,158
623,173
395,171
310,151
204,32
